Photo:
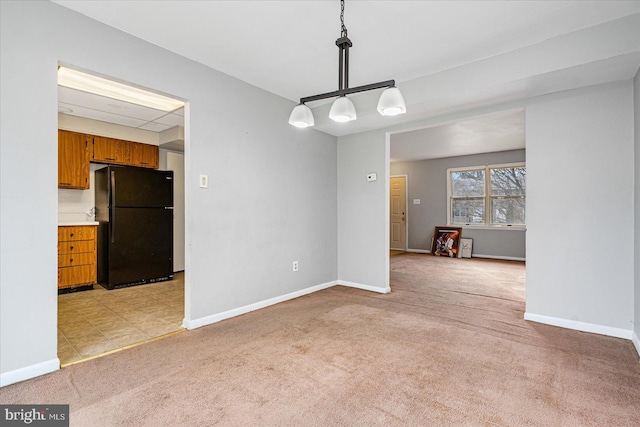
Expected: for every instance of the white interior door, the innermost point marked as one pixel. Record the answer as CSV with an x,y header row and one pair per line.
x,y
398,205
175,163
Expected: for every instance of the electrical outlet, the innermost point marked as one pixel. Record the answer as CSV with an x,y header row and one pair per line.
x,y
204,181
295,266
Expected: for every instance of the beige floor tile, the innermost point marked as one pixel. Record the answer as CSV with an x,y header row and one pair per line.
x,y
80,329
68,355
132,338
111,324
92,344
100,320
157,327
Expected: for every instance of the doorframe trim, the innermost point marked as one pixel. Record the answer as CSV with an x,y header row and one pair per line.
x,y
406,209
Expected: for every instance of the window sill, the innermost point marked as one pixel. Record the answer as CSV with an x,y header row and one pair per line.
x,y
491,227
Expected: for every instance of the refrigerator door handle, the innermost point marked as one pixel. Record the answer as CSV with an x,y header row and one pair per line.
x,y
113,188
111,225
113,202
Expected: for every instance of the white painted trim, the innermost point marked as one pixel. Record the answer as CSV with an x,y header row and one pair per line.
x,y
28,372
507,258
580,326
214,318
418,251
365,287
636,342
387,209
492,227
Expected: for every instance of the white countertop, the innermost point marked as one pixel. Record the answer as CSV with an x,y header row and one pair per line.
x,y
70,223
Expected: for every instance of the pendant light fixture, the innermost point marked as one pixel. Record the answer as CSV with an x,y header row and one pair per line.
x,y
391,100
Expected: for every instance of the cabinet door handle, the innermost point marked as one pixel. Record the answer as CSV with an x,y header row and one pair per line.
x,y
109,158
65,183
71,248
71,234
71,260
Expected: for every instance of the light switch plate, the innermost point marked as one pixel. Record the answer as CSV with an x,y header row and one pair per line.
x,y
371,177
416,201
204,181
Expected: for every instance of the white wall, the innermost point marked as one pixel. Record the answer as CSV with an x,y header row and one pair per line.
x,y
271,199
580,209
636,259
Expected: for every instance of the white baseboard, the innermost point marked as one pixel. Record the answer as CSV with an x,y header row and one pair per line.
x,y
214,318
506,258
365,287
636,342
580,326
29,372
418,251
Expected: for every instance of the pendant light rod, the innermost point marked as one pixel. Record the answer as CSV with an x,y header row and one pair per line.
x,y
343,68
348,91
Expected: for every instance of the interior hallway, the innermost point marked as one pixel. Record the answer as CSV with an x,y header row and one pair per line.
x,y
98,321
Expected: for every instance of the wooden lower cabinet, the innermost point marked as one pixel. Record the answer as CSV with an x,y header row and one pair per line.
x,y
76,256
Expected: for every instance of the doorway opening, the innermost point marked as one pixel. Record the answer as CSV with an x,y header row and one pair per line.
x,y
92,320
493,143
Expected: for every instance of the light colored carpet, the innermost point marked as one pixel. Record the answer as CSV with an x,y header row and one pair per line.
x,y
448,346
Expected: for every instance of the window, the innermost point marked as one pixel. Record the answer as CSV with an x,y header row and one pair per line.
x,y
498,200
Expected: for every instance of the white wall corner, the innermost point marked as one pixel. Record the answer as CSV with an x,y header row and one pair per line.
x,y
214,318
636,342
29,372
581,326
377,289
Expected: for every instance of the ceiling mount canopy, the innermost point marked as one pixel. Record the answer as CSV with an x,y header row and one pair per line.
x,y
391,101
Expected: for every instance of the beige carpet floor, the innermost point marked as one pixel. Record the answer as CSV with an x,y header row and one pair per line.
x,y
448,346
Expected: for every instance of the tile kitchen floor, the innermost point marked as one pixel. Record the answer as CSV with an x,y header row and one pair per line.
x,y
97,321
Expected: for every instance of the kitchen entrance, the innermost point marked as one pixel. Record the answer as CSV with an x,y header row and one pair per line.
x,y
116,131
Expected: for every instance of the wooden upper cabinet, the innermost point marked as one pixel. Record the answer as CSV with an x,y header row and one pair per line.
x,y
76,150
110,150
73,160
144,155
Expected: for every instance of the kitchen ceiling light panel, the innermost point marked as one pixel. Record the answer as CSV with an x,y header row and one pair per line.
x,y
99,86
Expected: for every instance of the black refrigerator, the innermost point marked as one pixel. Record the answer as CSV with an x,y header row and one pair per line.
x,y
134,210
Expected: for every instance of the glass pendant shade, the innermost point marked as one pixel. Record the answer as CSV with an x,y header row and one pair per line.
x,y
391,102
342,110
301,116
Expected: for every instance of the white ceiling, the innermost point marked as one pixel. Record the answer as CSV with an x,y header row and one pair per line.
x,y
83,104
445,56
501,131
